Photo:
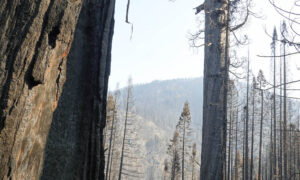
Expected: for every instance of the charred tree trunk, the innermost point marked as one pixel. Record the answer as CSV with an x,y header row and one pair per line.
x,y
285,145
271,146
229,138
213,156
54,53
236,146
125,128
247,125
260,134
252,131
280,124
274,101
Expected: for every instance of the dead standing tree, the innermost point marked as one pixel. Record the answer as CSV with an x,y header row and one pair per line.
x,y
216,65
184,131
130,149
261,83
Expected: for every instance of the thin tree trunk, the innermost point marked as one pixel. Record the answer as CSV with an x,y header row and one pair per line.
x,y
244,139
183,139
247,126
298,142
295,157
193,167
285,146
112,155
260,133
280,126
266,168
290,151
125,128
236,146
274,107
252,134
271,146
110,144
229,143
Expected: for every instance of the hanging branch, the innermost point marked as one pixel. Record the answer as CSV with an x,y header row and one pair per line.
x,y
127,19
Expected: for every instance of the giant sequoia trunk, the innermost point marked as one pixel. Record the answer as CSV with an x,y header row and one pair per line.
x,y
54,68
215,90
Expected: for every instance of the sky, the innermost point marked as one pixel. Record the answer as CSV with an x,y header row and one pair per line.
x,y
159,48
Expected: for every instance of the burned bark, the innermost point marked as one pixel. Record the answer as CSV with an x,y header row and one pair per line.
x,y
213,156
55,63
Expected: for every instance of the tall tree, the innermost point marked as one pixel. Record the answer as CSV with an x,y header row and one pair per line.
x,y
237,154
183,128
54,53
285,145
232,103
252,128
130,165
271,143
213,156
280,121
247,124
216,65
111,125
127,108
110,120
273,46
261,83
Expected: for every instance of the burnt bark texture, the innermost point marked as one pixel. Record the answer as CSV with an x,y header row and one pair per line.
x,y
54,69
215,90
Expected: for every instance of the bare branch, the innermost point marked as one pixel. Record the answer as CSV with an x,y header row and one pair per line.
x,y
289,54
241,24
199,8
235,75
127,12
289,12
127,19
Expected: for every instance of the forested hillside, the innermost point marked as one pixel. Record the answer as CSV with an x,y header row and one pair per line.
x,y
162,101
157,106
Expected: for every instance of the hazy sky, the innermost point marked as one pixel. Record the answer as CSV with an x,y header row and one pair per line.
x,y
159,48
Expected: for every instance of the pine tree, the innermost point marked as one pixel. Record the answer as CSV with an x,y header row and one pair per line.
x,y
173,151
285,146
112,133
261,83
252,128
130,149
273,46
184,130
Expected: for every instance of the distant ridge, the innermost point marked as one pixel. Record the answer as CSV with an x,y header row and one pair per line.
x,y
162,100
